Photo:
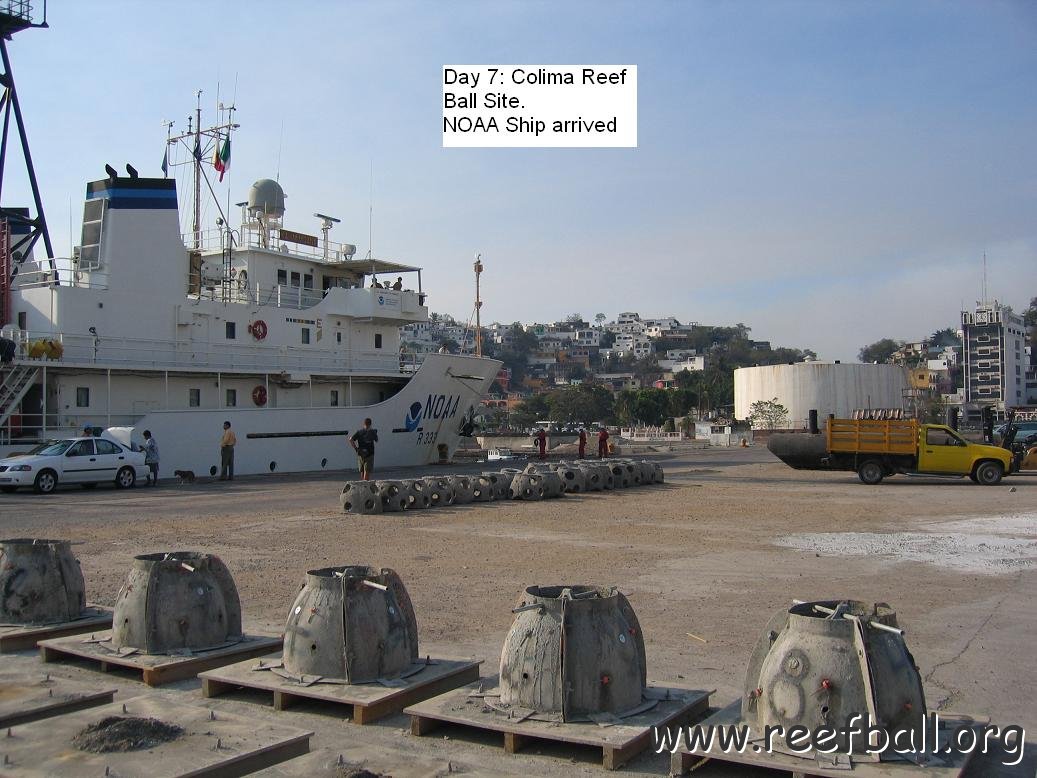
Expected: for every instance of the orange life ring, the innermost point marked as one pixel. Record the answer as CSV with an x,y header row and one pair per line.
x,y
258,329
259,395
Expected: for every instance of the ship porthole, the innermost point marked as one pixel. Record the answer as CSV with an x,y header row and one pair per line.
x,y
324,462
212,470
273,466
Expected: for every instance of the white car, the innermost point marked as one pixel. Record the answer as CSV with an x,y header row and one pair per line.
x,y
87,461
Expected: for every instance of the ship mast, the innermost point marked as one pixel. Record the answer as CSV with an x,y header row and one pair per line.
x,y
196,223
200,141
478,305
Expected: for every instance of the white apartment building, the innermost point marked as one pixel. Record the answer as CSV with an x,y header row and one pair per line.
x,y
992,341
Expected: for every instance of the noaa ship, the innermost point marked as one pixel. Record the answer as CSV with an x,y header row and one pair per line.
x,y
282,333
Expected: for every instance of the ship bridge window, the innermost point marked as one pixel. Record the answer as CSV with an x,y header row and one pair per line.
x,y
307,281
82,396
334,398
295,278
90,241
305,335
231,330
282,277
378,340
194,398
232,398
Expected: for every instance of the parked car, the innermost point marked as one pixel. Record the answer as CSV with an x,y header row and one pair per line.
x,y
1025,429
87,461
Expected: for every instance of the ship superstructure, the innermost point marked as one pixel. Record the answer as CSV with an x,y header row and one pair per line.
x,y
284,333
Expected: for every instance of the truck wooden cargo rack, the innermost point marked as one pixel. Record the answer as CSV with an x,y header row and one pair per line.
x,y
872,437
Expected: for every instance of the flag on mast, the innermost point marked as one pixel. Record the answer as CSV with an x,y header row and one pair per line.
x,y
165,162
221,157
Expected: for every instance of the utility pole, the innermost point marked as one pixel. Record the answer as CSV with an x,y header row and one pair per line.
x,y
478,305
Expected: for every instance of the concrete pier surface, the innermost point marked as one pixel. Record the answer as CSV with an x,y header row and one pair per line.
x,y
705,560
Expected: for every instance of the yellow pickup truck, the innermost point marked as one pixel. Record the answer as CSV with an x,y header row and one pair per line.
x,y
876,449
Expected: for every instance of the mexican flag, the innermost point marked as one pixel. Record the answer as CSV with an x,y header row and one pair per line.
x,y
221,157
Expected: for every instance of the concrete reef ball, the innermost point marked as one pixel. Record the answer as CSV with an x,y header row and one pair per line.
x,y
483,488
175,601
394,496
440,492
574,650
501,483
361,497
814,667
464,489
40,582
353,623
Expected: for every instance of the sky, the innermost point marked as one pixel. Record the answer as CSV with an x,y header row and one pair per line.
x,y
827,173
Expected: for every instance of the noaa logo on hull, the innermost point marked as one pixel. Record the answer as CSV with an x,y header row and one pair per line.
x,y
413,418
437,406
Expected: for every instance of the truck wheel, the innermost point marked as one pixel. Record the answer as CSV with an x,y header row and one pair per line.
x,y
989,473
871,472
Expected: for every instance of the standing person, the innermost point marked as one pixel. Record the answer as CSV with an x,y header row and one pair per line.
x,y
398,286
603,443
227,444
363,441
541,439
583,442
151,457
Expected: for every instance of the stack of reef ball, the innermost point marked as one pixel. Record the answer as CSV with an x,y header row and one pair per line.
x,y
820,664
40,582
538,481
175,602
573,652
352,623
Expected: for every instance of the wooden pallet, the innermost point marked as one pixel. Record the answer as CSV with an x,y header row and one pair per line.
x,y
619,742
686,760
13,638
156,669
369,702
214,743
26,697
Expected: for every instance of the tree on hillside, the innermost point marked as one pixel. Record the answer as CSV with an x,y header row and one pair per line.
x,y
1030,314
768,415
532,410
574,318
599,318
880,351
581,404
647,368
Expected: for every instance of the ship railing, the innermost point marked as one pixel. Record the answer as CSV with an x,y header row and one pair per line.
x,y
298,297
67,274
116,352
273,240
280,296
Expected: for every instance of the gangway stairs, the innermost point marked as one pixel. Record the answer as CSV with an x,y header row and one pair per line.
x,y
16,383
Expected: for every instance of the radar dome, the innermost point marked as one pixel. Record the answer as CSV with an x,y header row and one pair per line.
x,y
266,197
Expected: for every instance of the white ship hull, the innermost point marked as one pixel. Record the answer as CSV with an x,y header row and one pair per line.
x,y
425,414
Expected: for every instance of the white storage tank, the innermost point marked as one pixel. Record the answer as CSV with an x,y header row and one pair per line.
x,y
828,387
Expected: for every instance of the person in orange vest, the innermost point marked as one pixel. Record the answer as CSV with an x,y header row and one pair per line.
x,y
603,443
541,439
583,442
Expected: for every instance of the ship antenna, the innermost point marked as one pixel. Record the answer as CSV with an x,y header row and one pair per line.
x,y
984,278
370,211
280,143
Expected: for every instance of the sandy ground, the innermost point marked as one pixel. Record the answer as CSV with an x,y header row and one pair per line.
x,y
731,537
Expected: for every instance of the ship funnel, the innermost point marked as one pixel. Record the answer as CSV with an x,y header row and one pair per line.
x,y
266,199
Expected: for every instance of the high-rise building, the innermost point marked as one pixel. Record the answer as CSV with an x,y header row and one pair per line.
x,y
993,338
